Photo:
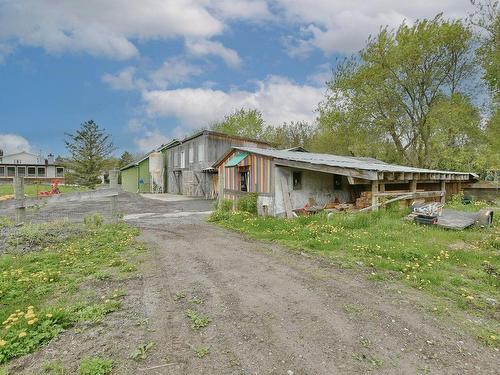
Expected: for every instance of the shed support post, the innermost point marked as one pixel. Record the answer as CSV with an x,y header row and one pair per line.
x,y
413,186
374,195
19,197
443,190
381,187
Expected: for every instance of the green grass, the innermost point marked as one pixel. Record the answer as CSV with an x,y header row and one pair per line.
x,y
95,366
40,292
31,190
460,268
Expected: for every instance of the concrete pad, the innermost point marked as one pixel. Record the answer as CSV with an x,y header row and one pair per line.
x,y
166,197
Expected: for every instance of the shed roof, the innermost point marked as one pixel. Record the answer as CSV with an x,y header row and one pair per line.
x,y
350,162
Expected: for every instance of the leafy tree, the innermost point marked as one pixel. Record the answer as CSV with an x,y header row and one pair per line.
x,y
242,122
384,102
89,148
292,134
487,18
125,158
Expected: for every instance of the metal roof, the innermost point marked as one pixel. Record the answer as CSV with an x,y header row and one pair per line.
x,y
362,163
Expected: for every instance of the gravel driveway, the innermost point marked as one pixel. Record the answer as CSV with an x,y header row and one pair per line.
x,y
271,311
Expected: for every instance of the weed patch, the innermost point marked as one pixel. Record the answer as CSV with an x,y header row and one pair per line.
x,y
141,352
95,366
38,289
387,248
198,321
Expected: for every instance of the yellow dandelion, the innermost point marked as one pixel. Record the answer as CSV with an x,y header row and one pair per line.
x,y
22,334
2,343
48,315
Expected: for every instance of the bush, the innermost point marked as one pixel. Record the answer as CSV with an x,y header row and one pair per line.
x,y
95,366
248,203
225,205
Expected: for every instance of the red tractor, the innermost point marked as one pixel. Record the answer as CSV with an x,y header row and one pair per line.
x,y
54,189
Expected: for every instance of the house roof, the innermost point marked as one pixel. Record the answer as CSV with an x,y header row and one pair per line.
x,y
218,134
146,156
350,162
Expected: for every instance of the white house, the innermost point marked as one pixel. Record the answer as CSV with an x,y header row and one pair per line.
x,y
30,166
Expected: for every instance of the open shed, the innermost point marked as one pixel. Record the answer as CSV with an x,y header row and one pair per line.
x,y
287,180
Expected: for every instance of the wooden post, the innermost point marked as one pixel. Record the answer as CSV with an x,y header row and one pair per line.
x,y
381,188
374,195
114,205
443,189
413,186
18,183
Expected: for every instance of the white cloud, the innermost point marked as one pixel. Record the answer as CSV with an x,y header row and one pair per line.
x,y
344,26
174,71
11,143
150,140
103,28
5,50
208,47
278,98
123,80
242,9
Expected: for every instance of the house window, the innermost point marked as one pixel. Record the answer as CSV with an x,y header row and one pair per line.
x,y
191,154
297,180
183,159
31,171
41,171
244,180
21,171
11,171
59,172
201,152
2,171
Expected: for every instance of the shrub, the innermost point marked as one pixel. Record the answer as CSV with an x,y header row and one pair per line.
x,y
225,205
248,203
93,221
95,366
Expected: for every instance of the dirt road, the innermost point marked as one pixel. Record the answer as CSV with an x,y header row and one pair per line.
x,y
271,311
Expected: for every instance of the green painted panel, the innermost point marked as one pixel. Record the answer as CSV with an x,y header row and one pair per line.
x,y
145,176
129,180
235,160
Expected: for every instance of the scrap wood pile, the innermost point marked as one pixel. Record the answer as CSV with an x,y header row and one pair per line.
x,y
365,200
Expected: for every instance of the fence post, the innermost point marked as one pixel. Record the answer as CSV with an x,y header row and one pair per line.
x,y
113,179
18,183
114,205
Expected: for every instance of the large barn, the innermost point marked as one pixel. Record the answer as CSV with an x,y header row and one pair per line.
x,y
288,180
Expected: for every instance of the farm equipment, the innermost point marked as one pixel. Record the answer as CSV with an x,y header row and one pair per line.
x,y
54,190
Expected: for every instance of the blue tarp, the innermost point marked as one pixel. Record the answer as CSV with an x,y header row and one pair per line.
x,y
236,159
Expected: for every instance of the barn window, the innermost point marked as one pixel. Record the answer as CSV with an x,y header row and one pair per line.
x,y
21,171
183,159
2,171
201,152
297,180
191,154
11,171
41,171
337,181
59,172
31,171
244,179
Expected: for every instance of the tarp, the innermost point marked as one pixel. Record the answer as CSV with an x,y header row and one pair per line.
x,y
236,159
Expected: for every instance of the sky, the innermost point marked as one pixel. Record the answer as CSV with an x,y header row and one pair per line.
x,y
152,70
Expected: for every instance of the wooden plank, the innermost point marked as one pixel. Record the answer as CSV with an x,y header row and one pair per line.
x,y
286,197
384,203
374,195
413,186
443,190
352,172
357,181
417,194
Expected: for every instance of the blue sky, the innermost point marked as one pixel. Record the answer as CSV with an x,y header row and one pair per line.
x,y
151,70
